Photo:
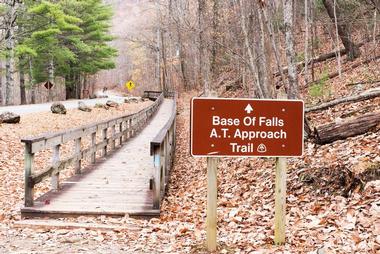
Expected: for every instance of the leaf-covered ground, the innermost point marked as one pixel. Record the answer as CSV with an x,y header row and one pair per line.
x,y
323,216
12,150
333,196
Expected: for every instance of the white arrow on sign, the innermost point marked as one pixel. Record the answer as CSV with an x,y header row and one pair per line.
x,y
248,109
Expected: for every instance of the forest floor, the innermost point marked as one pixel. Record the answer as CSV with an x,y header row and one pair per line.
x,y
333,196
322,215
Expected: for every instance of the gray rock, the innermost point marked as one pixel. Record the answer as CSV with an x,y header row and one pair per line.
x,y
100,105
83,107
9,117
132,100
58,108
112,104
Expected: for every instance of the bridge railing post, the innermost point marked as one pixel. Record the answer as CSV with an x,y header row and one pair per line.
x,y
126,130
121,133
113,131
55,162
78,161
29,161
132,126
104,137
93,146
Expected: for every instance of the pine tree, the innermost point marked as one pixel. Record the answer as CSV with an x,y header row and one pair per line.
x,y
90,46
62,38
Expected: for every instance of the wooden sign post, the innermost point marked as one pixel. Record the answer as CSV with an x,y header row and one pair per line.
x,y
212,193
280,201
222,127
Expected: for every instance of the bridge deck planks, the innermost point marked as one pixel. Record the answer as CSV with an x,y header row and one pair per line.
x,y
116,185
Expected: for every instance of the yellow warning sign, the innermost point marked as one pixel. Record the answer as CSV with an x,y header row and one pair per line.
x,y
130,85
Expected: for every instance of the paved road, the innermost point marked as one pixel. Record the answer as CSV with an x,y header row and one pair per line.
x,y
32,108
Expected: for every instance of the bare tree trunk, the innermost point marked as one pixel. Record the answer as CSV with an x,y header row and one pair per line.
x,y
158,59
9,67
22,86
164,64
78,85
274,47
290,52
158,49
201,74
215,35
258,91
307,25
262,59
9,46
204,56
313,35
31,80
353,50
51,77
337,41
179,47
374,27
182,61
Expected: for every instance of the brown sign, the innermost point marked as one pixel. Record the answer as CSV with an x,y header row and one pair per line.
x,y
48,85
246,127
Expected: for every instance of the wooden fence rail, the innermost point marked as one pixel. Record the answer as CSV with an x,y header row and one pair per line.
x,y
121,128
162,149
155,94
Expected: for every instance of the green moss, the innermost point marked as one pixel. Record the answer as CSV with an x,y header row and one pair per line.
x,y
319,89
300,57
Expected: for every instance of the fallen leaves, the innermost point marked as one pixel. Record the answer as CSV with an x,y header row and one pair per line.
x,y
319,219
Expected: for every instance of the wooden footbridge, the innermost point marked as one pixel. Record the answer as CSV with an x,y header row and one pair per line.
x,y
130,158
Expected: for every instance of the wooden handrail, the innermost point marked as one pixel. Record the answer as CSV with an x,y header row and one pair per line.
x,y
151,94
155,94
122,128
162,148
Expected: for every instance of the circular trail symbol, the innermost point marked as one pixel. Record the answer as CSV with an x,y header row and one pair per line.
x,y
261,148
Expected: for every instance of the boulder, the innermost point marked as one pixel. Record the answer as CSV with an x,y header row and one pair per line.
x,y
83,107
58,108
112,104
100,105
131,100
9,117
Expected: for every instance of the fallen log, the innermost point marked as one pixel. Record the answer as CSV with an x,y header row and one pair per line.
x,y
363,82
323,57
367,95
317,59
335,131
336,74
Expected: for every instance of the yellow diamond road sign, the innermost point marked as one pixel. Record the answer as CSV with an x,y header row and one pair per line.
x,y
130,85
